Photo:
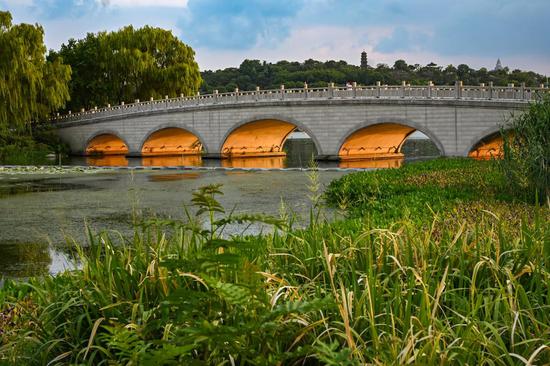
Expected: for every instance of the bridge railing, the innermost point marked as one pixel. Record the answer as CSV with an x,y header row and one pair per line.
x,y
351,91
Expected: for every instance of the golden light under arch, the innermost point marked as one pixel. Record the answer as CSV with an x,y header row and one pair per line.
x,y
106,144
488,148
171,141
377,141
259,138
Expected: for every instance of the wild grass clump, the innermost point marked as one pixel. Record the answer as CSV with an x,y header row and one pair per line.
x,y
526,161
345,293
417,190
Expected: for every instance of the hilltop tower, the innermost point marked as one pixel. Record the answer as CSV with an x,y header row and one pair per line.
x,y
498,66
364,63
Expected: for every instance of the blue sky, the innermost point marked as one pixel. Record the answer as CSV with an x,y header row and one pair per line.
x,y
224,32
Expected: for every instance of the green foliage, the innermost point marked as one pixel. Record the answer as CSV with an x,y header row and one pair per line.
x,y
23,150
346,293
128,64
417,190
31,88
252,73
526,161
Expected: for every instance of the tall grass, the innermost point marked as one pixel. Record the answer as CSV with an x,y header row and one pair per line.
x,y
346,293
526,161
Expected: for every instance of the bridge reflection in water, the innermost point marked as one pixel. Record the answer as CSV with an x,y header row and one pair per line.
x,y
299,154
273,162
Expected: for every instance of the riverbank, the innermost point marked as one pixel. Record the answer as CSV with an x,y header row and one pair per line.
x,y
435,264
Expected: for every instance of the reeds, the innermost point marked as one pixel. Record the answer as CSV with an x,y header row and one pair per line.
x,y
348,292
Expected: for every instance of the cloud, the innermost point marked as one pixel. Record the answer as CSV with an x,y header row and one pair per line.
x,y
224,32
53,9
145,3
491,28
238,24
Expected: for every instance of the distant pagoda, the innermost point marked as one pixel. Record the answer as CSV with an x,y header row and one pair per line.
x,y
364,63
498,66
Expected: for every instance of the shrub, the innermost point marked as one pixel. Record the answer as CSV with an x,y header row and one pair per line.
x,y
527,153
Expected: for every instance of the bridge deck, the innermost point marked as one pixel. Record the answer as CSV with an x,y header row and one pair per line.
x,y
458,92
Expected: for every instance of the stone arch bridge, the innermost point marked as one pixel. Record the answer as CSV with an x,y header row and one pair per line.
x,y
344,123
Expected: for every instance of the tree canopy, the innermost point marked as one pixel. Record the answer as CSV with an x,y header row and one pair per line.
x,y
31,88
128,64
252,73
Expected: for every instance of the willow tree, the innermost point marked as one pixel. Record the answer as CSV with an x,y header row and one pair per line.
x,y
129,64
31,88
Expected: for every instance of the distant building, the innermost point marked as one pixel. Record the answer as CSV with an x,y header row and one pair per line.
x,y
364,63
498,66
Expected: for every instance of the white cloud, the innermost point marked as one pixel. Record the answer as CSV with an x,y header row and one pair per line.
x,y
149,3
346,43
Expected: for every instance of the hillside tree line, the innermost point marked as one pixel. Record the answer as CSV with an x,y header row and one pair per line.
x,y
252,73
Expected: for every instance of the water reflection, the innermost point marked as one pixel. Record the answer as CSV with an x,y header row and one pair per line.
x,y
23,260
271,162
179,160
107,160
372,163
299,154
173,177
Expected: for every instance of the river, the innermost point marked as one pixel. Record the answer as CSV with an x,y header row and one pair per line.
x,y
42,214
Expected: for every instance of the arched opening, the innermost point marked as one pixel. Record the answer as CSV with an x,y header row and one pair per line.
x,y
490,147
385,145
375,142
257,139
171,141
106,144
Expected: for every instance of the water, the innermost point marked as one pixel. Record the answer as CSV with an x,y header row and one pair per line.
x,y
41,216
300,152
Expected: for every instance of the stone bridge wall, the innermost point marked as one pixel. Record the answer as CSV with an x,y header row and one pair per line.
x,y
455,125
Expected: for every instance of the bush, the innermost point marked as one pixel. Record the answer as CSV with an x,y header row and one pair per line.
x,y
527,153
31,150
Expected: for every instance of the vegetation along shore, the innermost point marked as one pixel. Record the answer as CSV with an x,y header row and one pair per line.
x,y
436,263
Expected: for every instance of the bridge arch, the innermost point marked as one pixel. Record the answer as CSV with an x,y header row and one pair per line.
x,y
250,129
393,130
106,142
485,145
171,139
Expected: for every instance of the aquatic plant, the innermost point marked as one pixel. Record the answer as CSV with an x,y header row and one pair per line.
x,y
435,291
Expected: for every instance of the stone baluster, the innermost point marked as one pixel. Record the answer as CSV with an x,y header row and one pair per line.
x,y
378,83
236,94
429,90
330,90
354,87
215,96
403,85
305,89
522,91
458,89
282,91
490,90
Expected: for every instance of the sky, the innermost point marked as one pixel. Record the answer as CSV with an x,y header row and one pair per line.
x,y
225,32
